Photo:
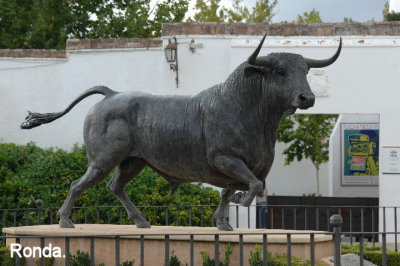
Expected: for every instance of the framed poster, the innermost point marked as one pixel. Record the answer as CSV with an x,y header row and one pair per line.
x,y
360,154
391,160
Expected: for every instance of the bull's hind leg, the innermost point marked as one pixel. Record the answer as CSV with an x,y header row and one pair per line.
x,y
219,215
125,171
92,176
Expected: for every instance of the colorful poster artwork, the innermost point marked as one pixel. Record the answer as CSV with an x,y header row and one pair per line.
x,y
360,154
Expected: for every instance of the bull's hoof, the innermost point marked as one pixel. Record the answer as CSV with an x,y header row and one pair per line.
x,y
246,201
142,223
224,226
66,223
235,198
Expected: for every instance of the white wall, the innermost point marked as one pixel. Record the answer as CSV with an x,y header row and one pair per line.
x,y
50,85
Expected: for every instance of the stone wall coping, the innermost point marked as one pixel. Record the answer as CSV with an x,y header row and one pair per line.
x,y
282,29
78,44
160,231
33,53
214,29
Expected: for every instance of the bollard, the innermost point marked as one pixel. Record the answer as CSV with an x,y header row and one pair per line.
x,y
39,204
336,222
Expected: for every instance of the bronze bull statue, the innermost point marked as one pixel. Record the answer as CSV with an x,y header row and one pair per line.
x,y
224,136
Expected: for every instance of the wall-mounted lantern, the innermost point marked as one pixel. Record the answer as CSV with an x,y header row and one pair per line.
x,y
171,55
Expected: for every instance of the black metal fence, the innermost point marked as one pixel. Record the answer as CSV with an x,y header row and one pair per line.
x,y
363,219
336,222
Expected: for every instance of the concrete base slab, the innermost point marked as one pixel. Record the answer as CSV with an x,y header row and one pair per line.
x,y
154,244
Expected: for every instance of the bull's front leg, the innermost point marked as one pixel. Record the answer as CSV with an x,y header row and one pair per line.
x,y
236,169
219,215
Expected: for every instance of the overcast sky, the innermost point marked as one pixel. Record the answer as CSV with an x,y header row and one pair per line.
x,y
329,10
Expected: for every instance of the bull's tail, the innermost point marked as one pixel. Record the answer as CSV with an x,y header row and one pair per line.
x,y
37,119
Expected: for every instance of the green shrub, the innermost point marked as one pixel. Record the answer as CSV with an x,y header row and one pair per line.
x,y
277,260
5,257
174,261
128,263
207,261
255,257
28,173
47,261
392,16
79,259
373,254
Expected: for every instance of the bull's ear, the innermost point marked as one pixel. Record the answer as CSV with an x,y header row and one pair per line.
x,y
252,70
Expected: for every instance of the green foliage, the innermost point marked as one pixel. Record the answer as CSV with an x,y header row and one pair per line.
x,y
209,11
5,257
174,261
79,259
82,259
255,257
47,24
348,20
308,137
207,261
168,11
28,173
392,16
33,24
47,261
385,9
373,254
238,12
309,17
263,11
277,260
212,11
128,263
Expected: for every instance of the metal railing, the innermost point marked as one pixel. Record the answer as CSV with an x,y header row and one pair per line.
x,y
336,222
297,217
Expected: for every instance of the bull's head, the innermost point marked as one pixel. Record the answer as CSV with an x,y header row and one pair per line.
x,y
284,77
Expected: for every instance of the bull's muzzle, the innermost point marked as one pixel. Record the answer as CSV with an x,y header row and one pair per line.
x,y
305,101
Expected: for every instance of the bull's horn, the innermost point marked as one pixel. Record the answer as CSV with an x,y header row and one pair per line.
x,y
312,63
253,57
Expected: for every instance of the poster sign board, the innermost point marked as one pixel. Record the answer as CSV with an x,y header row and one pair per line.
x,y
391,160
360,154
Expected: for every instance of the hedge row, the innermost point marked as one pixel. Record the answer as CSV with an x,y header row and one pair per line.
x,y
373,254
28,173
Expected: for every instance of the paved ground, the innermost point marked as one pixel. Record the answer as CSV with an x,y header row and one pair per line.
x,y
353,259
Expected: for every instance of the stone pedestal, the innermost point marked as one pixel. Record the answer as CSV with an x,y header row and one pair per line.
x,y
154,244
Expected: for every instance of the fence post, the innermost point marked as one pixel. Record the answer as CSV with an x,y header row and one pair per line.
x,y
336,222
39,204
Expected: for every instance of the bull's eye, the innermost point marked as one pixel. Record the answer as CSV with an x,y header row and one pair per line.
x,y
280,72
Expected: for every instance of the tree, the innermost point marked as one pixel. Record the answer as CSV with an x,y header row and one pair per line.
x,y
385,10
237,13
33,24
309,17
348,20
47,24
209,11
308,137
169,11
262,11
212,11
